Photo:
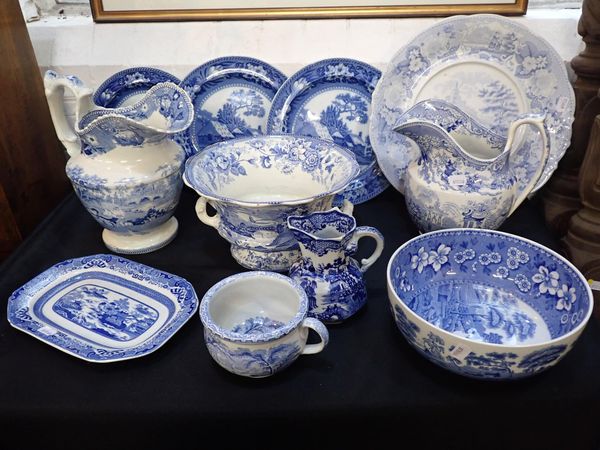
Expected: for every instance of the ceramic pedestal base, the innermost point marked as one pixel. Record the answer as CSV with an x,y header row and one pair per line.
x,y
141,241
276,261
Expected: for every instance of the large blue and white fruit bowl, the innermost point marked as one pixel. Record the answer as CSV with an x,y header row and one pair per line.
x,y
487,304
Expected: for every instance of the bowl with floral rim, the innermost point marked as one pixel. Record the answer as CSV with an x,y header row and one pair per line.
x,y
487,304
255,183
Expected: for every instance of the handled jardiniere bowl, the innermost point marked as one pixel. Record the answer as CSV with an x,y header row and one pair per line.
x,y
255,183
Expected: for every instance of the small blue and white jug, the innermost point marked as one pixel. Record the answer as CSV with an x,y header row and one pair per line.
x,y
332,279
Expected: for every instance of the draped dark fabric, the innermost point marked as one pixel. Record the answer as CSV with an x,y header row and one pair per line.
x,y
368,388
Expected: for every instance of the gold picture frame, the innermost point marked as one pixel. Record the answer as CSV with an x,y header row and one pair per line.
x,y
372,9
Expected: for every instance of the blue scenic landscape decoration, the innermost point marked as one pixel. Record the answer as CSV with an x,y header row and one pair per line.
x,y
330,100
106,312
257,363
485,287
228,122
330,276
127,207
491,67
228,94
103,304
257,325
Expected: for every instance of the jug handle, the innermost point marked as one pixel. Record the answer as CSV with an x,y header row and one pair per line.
x,y
55,85
212,221
367,232
538,122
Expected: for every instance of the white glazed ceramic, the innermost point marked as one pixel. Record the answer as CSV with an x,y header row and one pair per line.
x,y
255,323
491,67
487,304
256,183
102,308
464,176
330,276
123,165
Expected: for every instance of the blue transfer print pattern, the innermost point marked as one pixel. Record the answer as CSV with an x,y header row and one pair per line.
x,y
232,98
121,86
106,312
122,321
255,231
129,207
257,325
330,100
463,282
164,110
331,278
450,186
255,363
474,312
510,71
335,291
408,328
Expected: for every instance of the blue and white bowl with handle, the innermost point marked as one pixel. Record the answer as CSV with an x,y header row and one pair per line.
x,y
256,183
256,324
487,304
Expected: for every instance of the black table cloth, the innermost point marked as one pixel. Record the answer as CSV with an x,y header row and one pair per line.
x,y
368,387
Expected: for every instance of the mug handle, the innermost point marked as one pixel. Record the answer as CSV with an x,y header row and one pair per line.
x,y
213,221
371,232
321,330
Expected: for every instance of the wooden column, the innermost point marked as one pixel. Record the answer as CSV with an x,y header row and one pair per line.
x,y
582,242
560,197
32,160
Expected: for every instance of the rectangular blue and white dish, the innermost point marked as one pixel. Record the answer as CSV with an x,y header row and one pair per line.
x,y
103,308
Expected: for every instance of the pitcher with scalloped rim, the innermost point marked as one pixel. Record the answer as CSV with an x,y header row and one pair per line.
x,y
123,165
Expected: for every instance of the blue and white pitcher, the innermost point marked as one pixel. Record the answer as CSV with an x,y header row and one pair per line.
x,y
123,166
331,278
464,175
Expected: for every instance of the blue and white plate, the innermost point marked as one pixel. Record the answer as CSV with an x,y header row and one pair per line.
x,y
490,67
103,308
232,98
126,87
331,100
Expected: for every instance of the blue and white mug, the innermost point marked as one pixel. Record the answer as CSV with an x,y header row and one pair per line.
x,y
256,324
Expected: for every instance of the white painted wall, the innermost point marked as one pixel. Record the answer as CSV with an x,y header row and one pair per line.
x,y
76,45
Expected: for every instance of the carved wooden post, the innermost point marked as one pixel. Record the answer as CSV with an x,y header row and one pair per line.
x,y
561,194
582,242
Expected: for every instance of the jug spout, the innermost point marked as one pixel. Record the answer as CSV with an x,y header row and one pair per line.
x,y
440,124
164,110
